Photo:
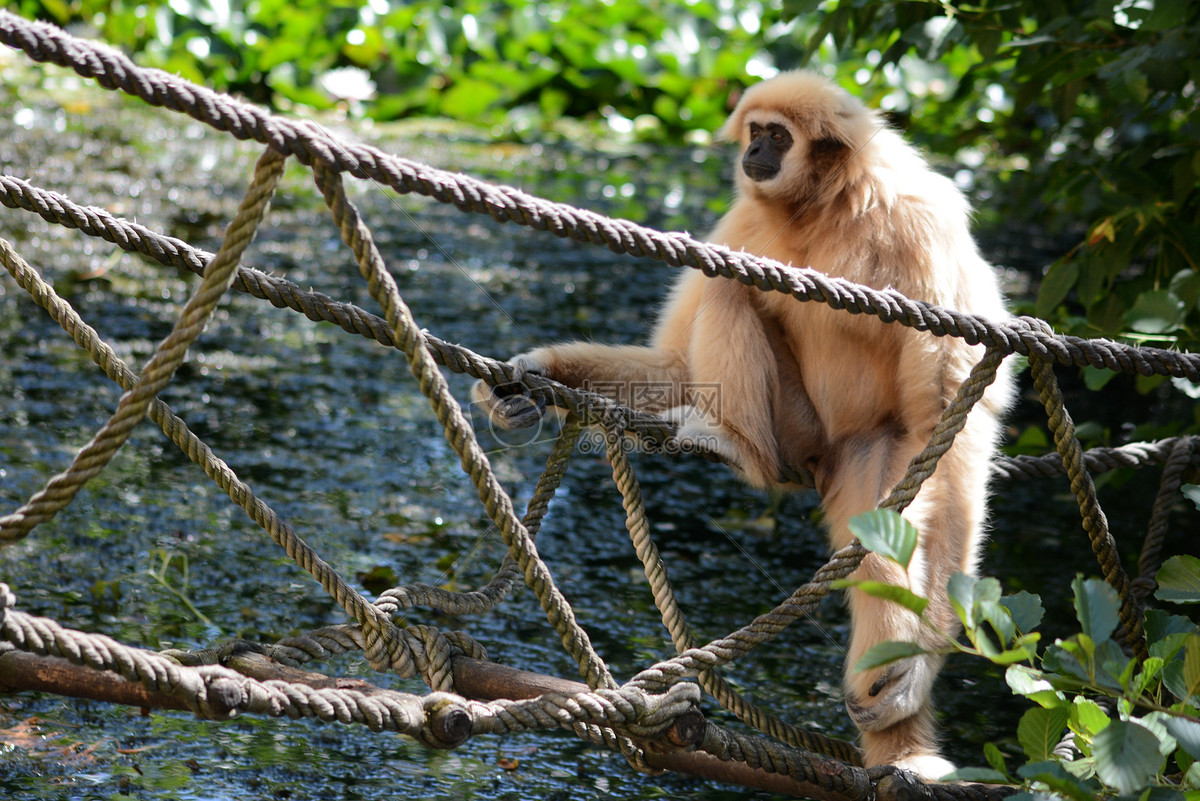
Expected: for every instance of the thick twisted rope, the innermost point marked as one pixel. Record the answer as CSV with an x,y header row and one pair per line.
x,y
439,720
487,597
458,430
673,618
1096,460
157,373
311,144
652,432
1182,457
1094,521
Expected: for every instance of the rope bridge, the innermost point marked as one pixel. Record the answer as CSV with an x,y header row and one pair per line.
x,y
654,719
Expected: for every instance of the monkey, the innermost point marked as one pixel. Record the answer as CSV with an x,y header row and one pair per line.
x,y
823,182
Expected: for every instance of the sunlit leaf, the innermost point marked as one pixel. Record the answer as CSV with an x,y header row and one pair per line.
x,y
1041,729
886,533
1087,718
1096,607
1150,671
1032,684
1126,756
890,592
1179,579
885,653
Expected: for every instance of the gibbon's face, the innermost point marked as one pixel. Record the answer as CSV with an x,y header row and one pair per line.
x,y
769,143
782,162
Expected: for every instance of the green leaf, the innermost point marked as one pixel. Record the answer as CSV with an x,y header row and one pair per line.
x,y
1087,718
1032,684
1094,378
975,775
968,596
997,614
995,759
1161,625
1096,606
1150,671
1040,730
1059,280
1191,667
1187,733
1026,610
1126,755
885,653
886,533
1156,312
1056,777
889,592
1179,579
1166,16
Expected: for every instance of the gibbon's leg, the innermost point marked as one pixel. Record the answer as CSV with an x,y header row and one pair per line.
x,y
729,353
891,705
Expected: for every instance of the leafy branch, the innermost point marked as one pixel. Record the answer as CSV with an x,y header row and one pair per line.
x,y
1102,723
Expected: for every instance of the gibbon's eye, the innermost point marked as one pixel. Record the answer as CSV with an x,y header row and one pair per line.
x,y
764,155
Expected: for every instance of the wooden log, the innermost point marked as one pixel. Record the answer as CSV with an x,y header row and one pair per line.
x,y
473,678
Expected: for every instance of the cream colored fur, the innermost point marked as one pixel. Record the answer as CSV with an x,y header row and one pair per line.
x,y
847,396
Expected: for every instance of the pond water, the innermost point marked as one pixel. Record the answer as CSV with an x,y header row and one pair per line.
x,y
332,432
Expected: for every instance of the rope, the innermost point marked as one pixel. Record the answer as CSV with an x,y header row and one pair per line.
x,y
157,373
1183,456
458,431
673,617
438,720
1094,521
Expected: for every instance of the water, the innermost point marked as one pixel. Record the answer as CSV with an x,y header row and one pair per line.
x,y
332,431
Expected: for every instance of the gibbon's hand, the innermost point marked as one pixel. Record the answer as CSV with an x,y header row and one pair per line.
x,y
510,405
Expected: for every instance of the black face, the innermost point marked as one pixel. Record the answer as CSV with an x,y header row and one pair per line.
x,y
764,155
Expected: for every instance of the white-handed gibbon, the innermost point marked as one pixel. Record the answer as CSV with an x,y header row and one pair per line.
x,y
823,182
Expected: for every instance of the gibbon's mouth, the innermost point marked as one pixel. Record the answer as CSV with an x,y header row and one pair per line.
x,y
759,172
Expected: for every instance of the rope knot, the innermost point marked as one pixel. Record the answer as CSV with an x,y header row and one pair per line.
x,y
448,721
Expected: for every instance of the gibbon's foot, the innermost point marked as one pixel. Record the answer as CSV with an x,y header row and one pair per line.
x,y
878,699
910,745
929,767
510,405
696,433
